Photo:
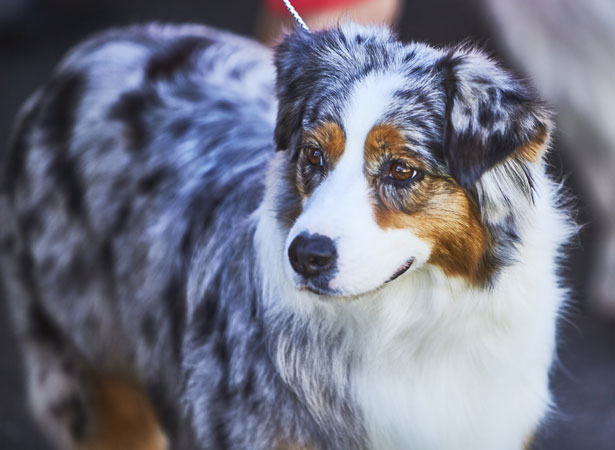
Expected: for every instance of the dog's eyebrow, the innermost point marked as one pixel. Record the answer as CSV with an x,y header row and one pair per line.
x,y
394,140
331,136
427,158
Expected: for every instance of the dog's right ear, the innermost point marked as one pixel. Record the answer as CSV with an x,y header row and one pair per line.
x,y
293,70
490,116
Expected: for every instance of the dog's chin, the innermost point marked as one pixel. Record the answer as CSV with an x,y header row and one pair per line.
x,y
323,289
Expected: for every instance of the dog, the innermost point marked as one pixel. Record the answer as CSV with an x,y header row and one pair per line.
x,y
348,243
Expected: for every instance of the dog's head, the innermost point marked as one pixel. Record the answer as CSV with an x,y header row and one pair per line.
x,y
399,156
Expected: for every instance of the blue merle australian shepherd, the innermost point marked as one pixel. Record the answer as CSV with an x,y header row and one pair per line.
x,y
348,243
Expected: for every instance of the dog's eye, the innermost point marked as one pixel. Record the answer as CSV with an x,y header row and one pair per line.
x,y
314,156
402,172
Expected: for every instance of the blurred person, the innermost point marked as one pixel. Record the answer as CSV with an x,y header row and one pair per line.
x,y
319,14
568,49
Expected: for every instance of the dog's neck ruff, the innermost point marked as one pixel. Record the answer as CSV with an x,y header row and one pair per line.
x,y
421,345
464,339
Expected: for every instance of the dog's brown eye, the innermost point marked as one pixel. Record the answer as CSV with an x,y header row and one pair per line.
x,y
315,156
402,172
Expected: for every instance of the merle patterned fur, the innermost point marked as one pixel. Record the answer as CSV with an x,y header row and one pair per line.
x,y
127,231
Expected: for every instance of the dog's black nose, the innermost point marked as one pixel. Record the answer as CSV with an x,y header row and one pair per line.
x,y
312,255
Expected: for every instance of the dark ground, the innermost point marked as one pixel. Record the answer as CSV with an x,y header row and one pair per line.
x,y
583,379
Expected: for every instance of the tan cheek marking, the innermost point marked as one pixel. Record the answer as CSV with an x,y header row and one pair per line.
x,y
289,445
447,219
442,212
527,443
300,183
534,150
125,418
292,207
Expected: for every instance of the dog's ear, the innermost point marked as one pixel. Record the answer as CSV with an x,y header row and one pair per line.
x,y
293,70
489,116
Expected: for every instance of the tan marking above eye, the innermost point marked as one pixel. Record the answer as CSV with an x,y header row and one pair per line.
x,y
329,138
387,140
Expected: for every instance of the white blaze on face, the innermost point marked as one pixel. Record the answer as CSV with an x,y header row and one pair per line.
x,y
341,207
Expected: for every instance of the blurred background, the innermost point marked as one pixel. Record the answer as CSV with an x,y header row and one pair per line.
x,y
565,47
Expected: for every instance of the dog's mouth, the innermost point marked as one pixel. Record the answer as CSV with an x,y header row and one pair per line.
x,y
322,288
404,267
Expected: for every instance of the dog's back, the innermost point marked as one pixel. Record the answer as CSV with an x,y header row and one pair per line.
x,y
118,166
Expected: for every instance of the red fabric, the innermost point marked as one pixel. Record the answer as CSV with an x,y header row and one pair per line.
x,y
308,6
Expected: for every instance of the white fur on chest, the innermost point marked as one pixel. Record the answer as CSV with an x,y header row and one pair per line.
x,y
439,365
454,368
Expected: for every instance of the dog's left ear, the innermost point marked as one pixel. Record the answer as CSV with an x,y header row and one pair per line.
x,y
293,73
489,116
